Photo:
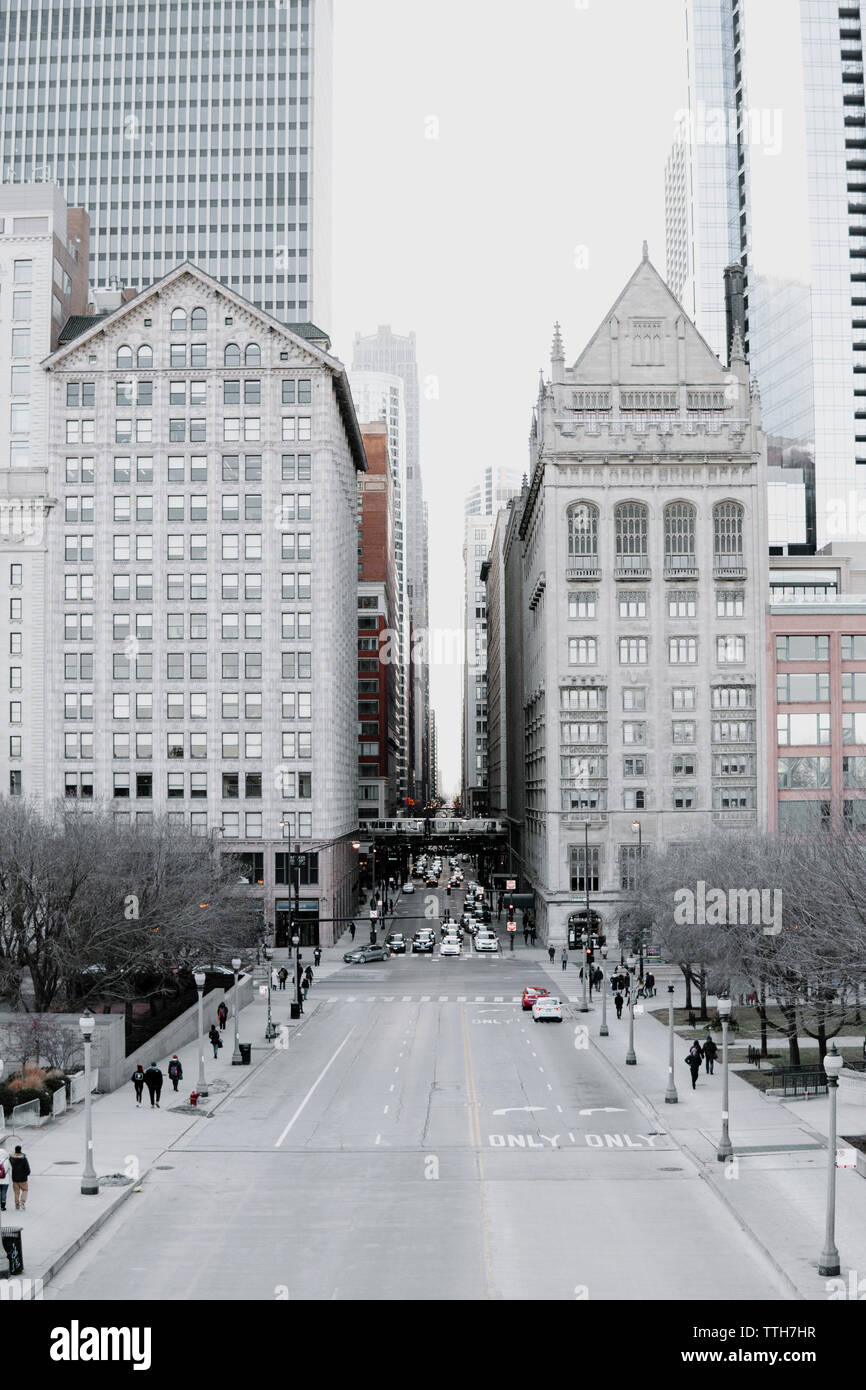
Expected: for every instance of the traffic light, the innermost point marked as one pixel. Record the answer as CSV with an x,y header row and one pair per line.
x,y
590,955
510,911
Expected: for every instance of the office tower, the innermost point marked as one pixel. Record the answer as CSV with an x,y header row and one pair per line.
x,y
776,139
494,489
395,355
43,279
476,548
377,602
201,626
643,574
190,132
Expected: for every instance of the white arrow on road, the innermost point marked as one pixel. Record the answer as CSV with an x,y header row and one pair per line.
x,y
519,1109
603,1110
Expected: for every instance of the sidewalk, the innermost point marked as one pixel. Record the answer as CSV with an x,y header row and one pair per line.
x,y
777,1184
127,1141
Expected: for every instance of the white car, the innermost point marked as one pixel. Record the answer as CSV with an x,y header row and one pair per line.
x,y
408,888
486,941
547,1008
450,946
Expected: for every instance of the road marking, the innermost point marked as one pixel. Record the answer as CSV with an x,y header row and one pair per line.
x,y
385,1111
549,1087
396,1069
475,1140
559,1108
425,998
314,1087
443,998
407,999
461,999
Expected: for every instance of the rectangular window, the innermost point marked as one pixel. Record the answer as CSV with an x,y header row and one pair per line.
x,y
631,603
583,604
730,650
682,603
683,731
814,687
632,651
730,603
811,728
853,647
682,651
582,651
634,733
803,648
585,871
634,767
853,727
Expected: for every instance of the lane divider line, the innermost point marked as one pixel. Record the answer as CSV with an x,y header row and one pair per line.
x,y
319,1079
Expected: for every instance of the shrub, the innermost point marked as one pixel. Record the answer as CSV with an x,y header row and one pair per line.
x,y
10,1097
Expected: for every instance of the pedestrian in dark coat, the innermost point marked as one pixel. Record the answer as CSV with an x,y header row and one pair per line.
x,y
711,1052
317,956
215,1040
137,1079
618,1001
693,1061
20,1173
308,976
564,958
153,1082
284,975
551,951
175,1071
222,1015
650,983
352,931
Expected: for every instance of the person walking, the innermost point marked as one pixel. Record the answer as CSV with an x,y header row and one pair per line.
x,y
711,1052
275,978
317,956
551,952
526,936
153,1082
693,1061
137,1079
532,934
308,976
175,1071
283,976
215,1040
618,1003
352,931
223,1015
5,1176
20,1173
564,958
650,983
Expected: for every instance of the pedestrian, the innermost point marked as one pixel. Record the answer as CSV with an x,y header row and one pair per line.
x,y
391,905
137,1079
275,978
711,1052
20,1173
564,958
215,1040
308,976
618,1003
222,1015
352,931
175,1071
650,983
5,1176
693,1061
317,956
526,936
641,988
551,951
532,935
284,975
153,1082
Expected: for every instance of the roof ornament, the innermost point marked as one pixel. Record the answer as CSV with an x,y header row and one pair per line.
x,y
645,252
557,352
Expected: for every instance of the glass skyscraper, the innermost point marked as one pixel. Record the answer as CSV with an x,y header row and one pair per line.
x,y
769,170
198,131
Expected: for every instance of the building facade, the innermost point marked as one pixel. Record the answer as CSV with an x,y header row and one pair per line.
x,y
197,132
378,745
643,587
201,621
478,534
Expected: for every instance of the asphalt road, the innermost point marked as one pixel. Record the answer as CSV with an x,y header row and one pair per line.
x,y
424,1139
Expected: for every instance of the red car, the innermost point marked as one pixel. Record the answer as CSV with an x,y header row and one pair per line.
x,y
533,992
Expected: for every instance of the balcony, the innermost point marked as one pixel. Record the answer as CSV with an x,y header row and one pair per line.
x,y
729,567
735,818
680,567
632,567
579,570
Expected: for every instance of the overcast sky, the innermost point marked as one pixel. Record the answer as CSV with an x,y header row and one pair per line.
x,y
553,122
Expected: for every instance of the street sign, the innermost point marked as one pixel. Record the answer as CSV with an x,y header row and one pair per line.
x,y
510,885
638,1009
263,989
512,926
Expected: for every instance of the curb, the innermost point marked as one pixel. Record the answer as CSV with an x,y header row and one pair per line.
x,y
66,1255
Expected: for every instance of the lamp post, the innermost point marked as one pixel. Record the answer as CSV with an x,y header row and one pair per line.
x,y
89,1180
269,1031
671,1097
2,1065
637,830
725,1149
584,970
201,1085
236,1055
631,1056
603,1031
829,1261
296,942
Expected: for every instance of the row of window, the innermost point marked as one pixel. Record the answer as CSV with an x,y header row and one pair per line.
x,y
140,746
180,508
808,729
808,648
81,395
631,532
724,798
634,651
178,353
681,603
295,468
805,816
295,429
793,774
682,731
582,768
79,666
79,705
589,698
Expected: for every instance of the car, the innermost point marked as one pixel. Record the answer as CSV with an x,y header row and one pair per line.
x,y
396,943
423,944
450,928
533,992
449,946
408,888
486,941
547,1008
365,954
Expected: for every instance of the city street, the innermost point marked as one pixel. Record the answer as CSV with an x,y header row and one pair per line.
x,y
424,1138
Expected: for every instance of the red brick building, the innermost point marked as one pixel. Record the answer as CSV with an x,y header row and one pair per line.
x,y
377,607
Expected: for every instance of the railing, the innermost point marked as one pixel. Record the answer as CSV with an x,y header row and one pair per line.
x,y
680,567
729,567
589,570
800,1081
631,567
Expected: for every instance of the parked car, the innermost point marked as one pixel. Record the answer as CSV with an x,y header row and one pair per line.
x,y
533,992
546,1008
365,954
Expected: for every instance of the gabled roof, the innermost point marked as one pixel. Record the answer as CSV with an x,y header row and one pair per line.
x,y
90,327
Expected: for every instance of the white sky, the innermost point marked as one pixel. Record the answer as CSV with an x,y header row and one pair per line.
x,y
555,121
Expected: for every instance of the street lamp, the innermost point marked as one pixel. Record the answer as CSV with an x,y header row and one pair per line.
x,y
201,1086
671,1097
269,955
603,1031
236,1055
89,1180
637,830
584,970
829,1261
725,1149
631,1056
296,942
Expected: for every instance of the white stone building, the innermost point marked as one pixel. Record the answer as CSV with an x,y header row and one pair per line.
x,y
644,554
201,622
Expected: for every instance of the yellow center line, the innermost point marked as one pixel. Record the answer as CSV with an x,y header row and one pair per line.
x,y
475,1141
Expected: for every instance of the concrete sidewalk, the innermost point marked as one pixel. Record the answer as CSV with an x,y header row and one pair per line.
x,y
127,1141
776,1186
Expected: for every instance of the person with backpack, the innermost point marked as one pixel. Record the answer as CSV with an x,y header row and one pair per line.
x,y
711,1052
317,956
153,1082
5,1176
284,975
20,1174
693,1062
551,951
215,1040
618,1003
650,984
223,1015
175,1071
137,1079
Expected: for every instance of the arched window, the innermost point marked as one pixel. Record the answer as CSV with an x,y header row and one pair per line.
x,y
583,534
198,320
253,355
631,520
728,535
145,356
178,320
124,357
680,536
232,355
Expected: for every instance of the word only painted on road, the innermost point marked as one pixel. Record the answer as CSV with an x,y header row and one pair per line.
x,y
556,1141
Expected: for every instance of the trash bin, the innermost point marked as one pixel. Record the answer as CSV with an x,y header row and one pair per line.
x,y
14,1251
246,1051
296,1010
